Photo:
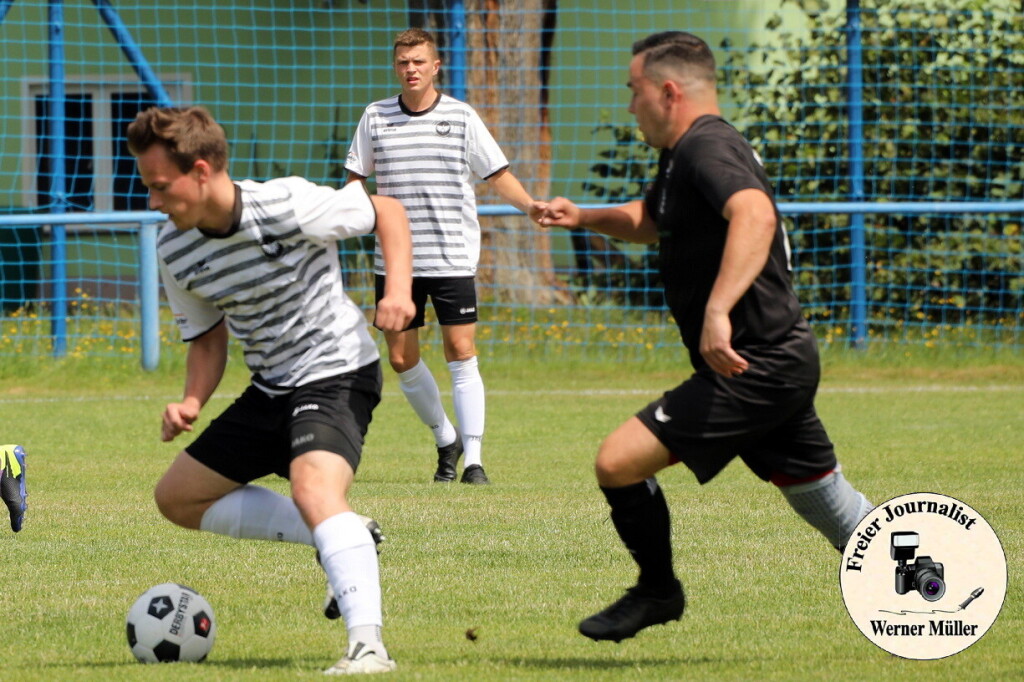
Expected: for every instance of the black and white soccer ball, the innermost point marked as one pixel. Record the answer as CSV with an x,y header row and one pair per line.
x,y
171,622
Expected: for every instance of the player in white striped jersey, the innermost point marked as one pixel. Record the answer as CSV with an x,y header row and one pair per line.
x,y
260,260
424,148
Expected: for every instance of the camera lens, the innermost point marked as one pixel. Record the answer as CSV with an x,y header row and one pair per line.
x,y
930,585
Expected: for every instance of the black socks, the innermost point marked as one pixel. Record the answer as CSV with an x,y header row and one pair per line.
x,y
641,517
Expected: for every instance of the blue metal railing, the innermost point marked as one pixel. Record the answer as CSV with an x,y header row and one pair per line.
x,y
149,299
149,292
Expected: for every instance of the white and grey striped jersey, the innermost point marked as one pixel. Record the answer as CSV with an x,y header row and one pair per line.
x,y
276,277
425,160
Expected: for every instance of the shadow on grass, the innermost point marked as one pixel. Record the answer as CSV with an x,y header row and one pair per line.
x,y
216,663
568,664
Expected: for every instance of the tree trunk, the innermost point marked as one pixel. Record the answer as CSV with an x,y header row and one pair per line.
x,y
508,50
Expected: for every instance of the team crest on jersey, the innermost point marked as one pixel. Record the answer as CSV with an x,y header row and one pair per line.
x,y
271,247
198,268
444,128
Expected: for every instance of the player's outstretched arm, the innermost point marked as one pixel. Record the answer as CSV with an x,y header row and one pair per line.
x,y
628,222
207,357
395,309
511,190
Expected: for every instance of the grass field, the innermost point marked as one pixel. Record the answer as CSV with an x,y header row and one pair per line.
x,y
521,561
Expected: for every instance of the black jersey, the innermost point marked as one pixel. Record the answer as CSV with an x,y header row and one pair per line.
x,y
709,164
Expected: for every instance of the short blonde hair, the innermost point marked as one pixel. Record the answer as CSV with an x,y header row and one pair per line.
x,y
413,37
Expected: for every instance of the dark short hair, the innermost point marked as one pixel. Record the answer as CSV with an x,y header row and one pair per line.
x,y
188,134
677,49
415,36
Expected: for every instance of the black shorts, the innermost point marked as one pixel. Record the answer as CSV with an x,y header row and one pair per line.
x,y
453,298
708,420
260,434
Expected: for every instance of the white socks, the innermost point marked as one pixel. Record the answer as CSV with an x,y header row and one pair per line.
x,y
349,558
468,399
421,391
256,513
347,551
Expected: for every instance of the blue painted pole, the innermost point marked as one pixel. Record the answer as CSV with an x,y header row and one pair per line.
x,y
858,251
5,5
133,53
457,49
149,301
57,115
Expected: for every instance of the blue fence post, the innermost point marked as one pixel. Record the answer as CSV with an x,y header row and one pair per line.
x,y
57,115
149,300
858,237
457,48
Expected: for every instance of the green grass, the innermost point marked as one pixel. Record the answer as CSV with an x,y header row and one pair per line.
x,y
521,561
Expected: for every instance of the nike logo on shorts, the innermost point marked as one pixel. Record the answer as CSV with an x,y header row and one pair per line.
x,y
660,415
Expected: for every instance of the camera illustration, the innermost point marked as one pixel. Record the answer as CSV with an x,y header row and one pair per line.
x,y
923,575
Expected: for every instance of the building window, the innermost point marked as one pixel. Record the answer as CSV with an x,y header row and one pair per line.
x,y
99,172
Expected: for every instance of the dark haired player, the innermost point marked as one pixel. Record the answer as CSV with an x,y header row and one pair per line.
x,y
725,268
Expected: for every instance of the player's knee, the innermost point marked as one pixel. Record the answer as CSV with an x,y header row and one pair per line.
x,y
399,364
460,353
304,494
401,360
170,503
314,502
610,468
310,487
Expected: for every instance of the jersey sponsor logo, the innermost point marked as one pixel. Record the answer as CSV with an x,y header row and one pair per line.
x,y
300,440
305,408
443,128
660,415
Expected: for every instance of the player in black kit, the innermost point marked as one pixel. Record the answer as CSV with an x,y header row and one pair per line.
x,y
725,268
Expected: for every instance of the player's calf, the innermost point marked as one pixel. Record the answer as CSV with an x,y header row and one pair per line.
x,y
830,504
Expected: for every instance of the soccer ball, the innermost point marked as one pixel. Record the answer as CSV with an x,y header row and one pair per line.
x,y
171,622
